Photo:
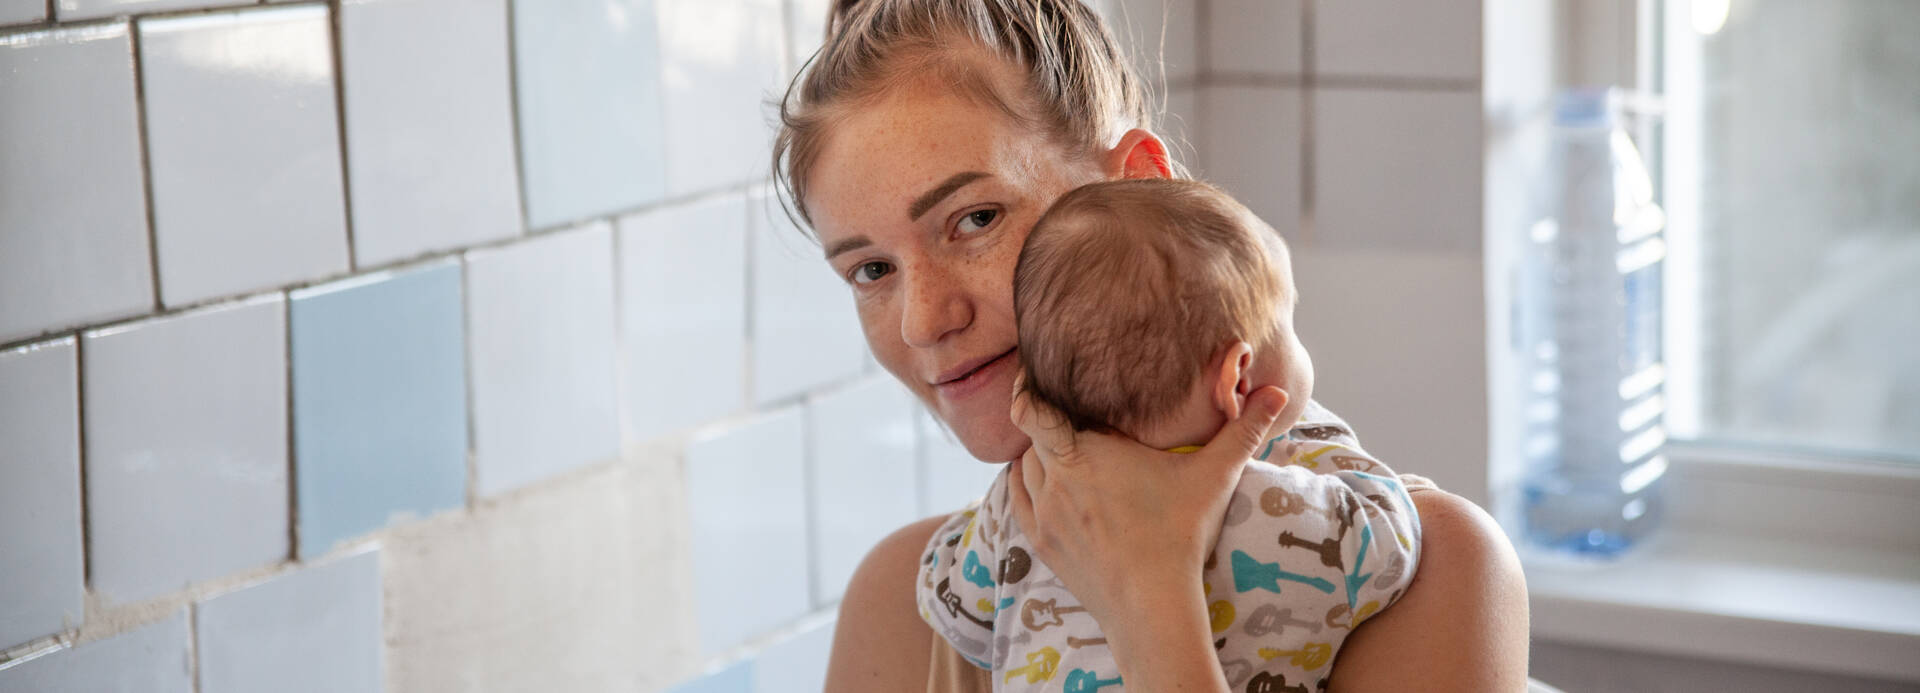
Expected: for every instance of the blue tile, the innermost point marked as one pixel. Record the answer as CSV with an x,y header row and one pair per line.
x,y
39,492
746,495
796,664
737,678
588,85
379,402
314,631
149,659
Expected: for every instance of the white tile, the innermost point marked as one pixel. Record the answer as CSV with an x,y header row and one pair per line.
x,y
1398,169
719,63
1433,39
149,659
683,314
541,334
1255,36
587,84
863,476
39,491
746,496
1401,392
186,439
798,663
805,332
807,28
950,476
244,150
69,10
1178,125
1160,35
429,125
1250,146
22,11
315,630
73,214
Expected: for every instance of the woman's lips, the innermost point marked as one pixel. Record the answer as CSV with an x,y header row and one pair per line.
x,y
976,380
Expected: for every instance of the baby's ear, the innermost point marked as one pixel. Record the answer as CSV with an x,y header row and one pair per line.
x,y
1232,377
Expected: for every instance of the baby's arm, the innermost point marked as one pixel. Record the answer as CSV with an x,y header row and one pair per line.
x,y
1369,516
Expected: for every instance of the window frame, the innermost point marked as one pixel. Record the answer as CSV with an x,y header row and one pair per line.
x,y
1864,501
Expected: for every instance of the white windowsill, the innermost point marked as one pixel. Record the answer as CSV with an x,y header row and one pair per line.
x,y
1803,567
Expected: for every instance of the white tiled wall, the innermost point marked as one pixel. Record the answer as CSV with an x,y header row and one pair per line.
x,y
676,444
1355,129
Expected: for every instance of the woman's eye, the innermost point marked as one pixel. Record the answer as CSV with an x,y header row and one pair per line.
x,y
871,271
978,220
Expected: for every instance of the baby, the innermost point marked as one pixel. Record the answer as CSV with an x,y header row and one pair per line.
x,y
1152,308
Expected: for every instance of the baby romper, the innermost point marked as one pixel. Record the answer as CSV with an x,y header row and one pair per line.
x,y
1317,537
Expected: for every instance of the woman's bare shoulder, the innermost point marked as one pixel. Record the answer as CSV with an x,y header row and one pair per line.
x,y
1468,592
880,643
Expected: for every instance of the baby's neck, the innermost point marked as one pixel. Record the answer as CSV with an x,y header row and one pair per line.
x,y
1197,429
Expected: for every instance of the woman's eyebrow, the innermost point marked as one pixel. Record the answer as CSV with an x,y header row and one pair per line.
x,y
940,192
855,243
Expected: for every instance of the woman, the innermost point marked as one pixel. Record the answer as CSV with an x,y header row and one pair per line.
x,y
920,145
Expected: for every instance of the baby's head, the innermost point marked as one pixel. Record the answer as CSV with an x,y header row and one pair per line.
x,y
1153,307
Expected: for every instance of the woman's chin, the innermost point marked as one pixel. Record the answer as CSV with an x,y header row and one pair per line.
x,y
990,441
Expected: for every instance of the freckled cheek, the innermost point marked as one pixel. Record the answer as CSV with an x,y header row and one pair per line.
x,y
880,322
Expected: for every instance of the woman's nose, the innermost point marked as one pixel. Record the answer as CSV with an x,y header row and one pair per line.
x,y
935,308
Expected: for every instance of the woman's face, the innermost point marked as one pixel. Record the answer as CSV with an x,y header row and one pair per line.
x,y
921,202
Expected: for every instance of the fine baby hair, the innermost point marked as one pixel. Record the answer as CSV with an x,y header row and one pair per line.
x,y
1126,290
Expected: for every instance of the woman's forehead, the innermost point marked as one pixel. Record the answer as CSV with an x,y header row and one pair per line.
x,y
880,157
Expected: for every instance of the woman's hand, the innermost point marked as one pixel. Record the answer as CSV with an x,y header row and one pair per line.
x,y
1128,529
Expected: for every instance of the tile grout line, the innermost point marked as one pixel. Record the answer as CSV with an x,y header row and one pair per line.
x,y
146,158
293,451
193,645
429,258
466,369
1309,82
334,18
80,430
513,106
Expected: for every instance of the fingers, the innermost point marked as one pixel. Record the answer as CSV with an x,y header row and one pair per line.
x,y
1019,498
1043,424
1240,438
1032,472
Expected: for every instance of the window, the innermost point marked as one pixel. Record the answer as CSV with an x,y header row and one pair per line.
x,y
1788,159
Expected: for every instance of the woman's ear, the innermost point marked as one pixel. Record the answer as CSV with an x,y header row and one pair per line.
x,y
1140,154
1232,379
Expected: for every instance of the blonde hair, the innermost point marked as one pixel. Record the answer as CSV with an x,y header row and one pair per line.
x,y
1079,86
1126,290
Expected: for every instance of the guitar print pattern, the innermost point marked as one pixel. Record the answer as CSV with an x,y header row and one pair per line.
x,y
1317,538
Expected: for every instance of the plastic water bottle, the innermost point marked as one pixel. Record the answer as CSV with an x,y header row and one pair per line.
x,y
1588,331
